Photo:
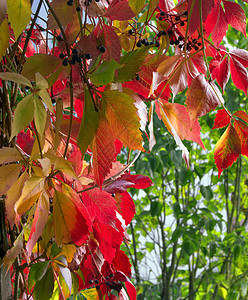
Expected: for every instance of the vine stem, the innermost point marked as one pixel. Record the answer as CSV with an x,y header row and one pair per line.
x,y
28,36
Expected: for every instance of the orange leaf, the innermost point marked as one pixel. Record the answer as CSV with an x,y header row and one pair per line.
x,y
227,150
202,97
242,130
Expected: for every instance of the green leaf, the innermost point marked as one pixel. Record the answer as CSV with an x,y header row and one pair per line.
x,y
19,13
46,98
206,192
132,62
42,63
4,37
43,289
15,77
23,115
89,124
156,208
136,5
104,73
41,82
91,294
36,273
40,115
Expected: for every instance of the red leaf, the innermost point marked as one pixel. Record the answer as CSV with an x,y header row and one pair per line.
x,y
235,16
202,97
216,24
131,290
121,263
100,206
241,55
242,115
125,206
112,44
221,72
120,11
25,140
104,153
242,130
239,75
180,120
227,150
195,17
222,119
166,5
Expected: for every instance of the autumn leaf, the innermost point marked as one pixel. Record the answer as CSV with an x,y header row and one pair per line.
x,y
3,11
227,149
103,150
242,115
4,36
136,5
112,44
8,176
202,97
216,23
220,70
235,16
242,130
39,222
70,224
119,10
239,74
8,155
14,77
19,14
222,119
24,114
122,117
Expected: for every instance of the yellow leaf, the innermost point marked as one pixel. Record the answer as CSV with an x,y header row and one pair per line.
x,y
41,82
4,37
8,155
68,251
30,194
8,176
24,114
91,294
15,77
39,116
12,196
46,98
65,166
19,13
136,5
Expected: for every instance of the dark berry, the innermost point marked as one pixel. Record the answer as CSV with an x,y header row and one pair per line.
x,y
162,13
73,61
61,55
157,44
102,49
130,31
186,13
59,38
182,23
97,287
107,277
74,51
196,48
65,62
107,283
70,2
96,281
199,44
78,59
176,42
177,18
170,32
143,41
172,42
53,102
78,9
111,275
160,18
88,56
137,77
180,46
74,56
180,38
159,34
163,32
113,195
91,281
138,44
97,0
82,55
194,41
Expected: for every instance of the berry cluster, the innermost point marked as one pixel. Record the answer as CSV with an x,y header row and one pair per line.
x,y
108,280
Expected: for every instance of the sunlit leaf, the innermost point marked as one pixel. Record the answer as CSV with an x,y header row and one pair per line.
x,y
15,77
